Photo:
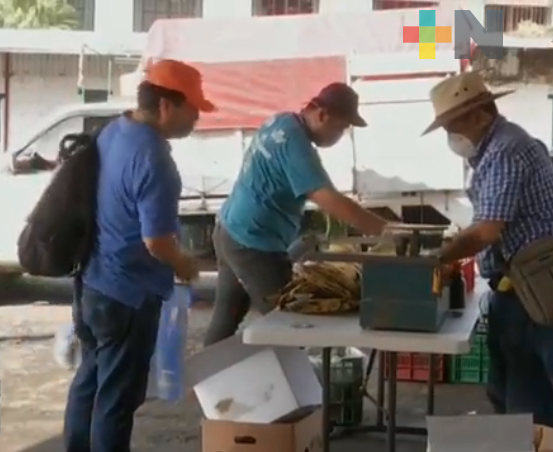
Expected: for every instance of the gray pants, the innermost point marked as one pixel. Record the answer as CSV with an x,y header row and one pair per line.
x,y
246,276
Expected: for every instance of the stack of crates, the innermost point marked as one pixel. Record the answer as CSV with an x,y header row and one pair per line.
x,y
346,389
416,367
472,367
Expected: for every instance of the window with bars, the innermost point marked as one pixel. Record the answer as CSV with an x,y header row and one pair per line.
x,y
379,5
146,12
91,96
514,15
284,7
84,10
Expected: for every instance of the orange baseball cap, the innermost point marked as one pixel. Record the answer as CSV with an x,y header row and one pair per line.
x,y
182,78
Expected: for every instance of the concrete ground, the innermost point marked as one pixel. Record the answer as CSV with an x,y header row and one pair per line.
x,y
34,387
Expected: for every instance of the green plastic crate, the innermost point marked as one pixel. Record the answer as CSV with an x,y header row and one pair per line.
x,y
472,367
346,394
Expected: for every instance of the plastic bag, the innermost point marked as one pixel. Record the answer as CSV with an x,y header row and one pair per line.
x,y
67,352
166,379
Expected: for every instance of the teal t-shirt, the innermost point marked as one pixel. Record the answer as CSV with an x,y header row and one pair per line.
x,y
280,168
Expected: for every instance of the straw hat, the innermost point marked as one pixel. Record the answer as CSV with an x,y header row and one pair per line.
x,y
455,96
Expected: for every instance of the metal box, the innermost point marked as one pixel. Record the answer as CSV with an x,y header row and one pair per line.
x,y
403,293
402,289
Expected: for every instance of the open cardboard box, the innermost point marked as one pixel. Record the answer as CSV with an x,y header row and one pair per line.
x,y
239,382
489,433
543,438
474,433
301,433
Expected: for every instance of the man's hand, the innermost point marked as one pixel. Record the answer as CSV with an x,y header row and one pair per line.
x,y
472,240
387,238
167,250
186,268
344,209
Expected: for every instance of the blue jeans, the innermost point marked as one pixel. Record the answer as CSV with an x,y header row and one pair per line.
x,y
110,384
521,360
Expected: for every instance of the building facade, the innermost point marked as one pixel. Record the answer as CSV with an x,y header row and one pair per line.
x,y
142,13
33,83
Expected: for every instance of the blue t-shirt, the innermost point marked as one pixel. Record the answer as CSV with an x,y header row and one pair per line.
x,y
138,193
281,167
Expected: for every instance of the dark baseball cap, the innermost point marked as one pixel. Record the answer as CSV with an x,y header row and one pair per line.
x,y
341,100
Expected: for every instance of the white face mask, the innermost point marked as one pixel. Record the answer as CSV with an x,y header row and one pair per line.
x,y
461,145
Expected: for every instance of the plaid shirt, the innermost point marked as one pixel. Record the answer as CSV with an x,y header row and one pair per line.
x,y
512,182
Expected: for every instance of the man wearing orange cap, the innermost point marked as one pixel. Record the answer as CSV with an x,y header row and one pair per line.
x,y
135,261
261,218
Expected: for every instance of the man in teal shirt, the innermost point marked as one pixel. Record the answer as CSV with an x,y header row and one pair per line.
x,y
261,218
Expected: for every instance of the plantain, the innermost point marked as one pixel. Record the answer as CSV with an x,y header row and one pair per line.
x,y
321,306
322,287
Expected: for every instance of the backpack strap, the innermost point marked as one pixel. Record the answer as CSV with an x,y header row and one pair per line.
x,y
78,287
73,141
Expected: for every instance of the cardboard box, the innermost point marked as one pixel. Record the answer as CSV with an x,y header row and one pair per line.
x,y
301,435
473,433
543,438
239,382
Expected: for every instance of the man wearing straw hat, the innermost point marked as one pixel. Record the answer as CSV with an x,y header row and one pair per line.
x,y
512,195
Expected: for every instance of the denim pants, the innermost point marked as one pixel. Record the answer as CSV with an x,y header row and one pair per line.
x,y
521,360
110,384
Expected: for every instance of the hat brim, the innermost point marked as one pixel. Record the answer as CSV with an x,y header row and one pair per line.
x,y
354,119
205,106
358,121
457,112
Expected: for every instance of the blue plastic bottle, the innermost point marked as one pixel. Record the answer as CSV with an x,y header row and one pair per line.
x,y
171,345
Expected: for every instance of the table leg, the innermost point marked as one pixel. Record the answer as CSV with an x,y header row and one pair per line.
x,y
327,427
431,386
392,402
380,389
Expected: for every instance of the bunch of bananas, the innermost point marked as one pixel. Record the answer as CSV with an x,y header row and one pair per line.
x,y
323,287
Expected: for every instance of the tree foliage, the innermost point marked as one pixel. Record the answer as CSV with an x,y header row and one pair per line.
x,y
37,14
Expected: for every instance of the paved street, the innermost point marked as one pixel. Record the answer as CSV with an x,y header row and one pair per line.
x,y
34,387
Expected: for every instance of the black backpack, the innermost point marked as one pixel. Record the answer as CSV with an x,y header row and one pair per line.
x,y
60,233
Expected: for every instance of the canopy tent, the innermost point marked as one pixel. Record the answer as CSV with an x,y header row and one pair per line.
x,y
255,67
247,93
298,36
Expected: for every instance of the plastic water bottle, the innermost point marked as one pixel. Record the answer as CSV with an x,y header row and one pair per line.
x,y
171,345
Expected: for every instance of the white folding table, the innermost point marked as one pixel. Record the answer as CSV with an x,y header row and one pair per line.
x,y
280,328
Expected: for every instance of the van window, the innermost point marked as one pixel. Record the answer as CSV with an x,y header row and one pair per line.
x,y
92,124
48,144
